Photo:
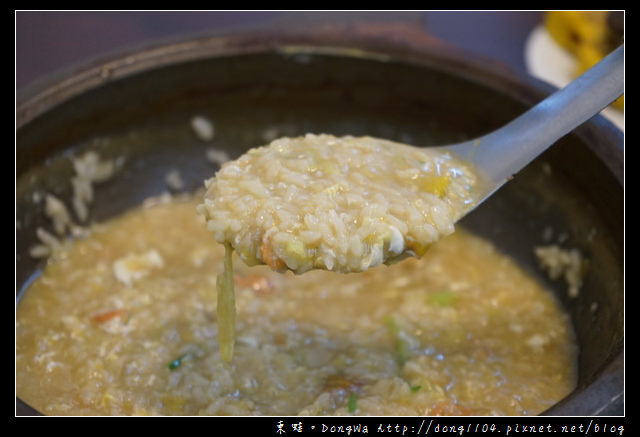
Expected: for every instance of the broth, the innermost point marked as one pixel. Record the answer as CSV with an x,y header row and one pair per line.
x,y
123,322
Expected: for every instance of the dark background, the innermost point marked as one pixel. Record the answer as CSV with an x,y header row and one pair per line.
x,y
51,40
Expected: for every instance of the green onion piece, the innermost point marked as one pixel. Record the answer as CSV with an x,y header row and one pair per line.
x,y
416,388
226,307
401,346
352,402
442,298
402,352
391,325
173,365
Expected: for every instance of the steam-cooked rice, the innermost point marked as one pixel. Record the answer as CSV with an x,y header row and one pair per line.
x,y
336,203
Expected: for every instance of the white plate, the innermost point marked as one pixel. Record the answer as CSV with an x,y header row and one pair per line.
x,y
547,61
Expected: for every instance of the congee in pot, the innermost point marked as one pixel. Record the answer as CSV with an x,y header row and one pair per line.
x,y
124,321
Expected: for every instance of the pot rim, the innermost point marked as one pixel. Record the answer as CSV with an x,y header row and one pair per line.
x,y
373,41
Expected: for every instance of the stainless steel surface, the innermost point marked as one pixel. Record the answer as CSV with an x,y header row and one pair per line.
x,y
502,153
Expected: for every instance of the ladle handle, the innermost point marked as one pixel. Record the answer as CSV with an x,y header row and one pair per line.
x,y
507,150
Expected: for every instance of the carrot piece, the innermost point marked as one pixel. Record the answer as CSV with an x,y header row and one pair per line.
x,y
258,283
270,258
108,315
342,383
449,408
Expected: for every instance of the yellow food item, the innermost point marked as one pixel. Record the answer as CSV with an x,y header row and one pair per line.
x,y
226,310
575,29
588,35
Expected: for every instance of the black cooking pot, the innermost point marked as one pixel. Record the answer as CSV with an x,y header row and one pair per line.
x,y
340,79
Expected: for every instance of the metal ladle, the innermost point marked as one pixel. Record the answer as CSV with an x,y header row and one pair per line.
x,y
505,151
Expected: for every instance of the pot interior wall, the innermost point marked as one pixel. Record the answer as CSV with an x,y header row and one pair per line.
x,y
145,119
